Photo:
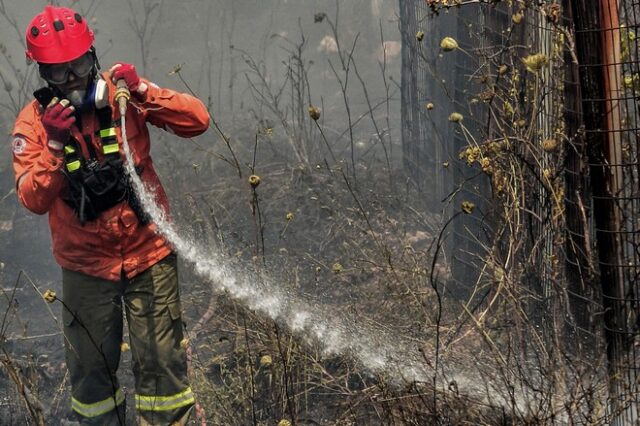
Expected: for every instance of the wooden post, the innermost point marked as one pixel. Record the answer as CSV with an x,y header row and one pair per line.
x,y
598,51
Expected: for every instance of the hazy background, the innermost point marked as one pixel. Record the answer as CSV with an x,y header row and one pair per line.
x,y
211,40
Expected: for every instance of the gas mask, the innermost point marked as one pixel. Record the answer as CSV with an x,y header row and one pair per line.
x,y
96,96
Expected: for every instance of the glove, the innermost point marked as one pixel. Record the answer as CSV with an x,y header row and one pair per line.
x,y
57,120
128,73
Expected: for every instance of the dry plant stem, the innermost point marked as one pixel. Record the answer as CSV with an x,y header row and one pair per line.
x,y
32,404
37,290
143,27
24,80
88,10
256,212
214,125
12,23
387,99
250,363
359,119
326,142
345,64
374,122
434,286
36,411
55,404
486,336
587,237
204,318
383,249
509,284
287,380
9,305
294,116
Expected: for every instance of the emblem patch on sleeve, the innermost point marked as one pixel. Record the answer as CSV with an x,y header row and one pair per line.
x,y
18,145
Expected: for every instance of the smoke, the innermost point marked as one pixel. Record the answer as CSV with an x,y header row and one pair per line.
x,y
376,7
328,44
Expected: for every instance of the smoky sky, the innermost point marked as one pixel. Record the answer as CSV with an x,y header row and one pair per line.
x,y
209,42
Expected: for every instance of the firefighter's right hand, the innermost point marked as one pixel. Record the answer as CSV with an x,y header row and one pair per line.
x,y
57,121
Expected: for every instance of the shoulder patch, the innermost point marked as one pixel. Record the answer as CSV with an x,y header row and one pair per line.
x,y
18,145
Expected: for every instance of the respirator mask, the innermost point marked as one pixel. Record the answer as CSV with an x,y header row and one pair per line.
x,y
96,96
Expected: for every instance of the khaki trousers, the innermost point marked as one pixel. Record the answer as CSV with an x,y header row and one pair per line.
x,y
93,322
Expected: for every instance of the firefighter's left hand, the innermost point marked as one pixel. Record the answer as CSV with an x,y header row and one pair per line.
x,y
128,73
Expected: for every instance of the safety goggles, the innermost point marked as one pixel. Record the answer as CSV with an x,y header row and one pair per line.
x,y
59,73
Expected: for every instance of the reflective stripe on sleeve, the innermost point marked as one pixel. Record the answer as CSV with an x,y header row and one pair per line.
x,y
97,408
164,403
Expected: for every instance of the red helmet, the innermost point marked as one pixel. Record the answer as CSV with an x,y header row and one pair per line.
x,y
58,35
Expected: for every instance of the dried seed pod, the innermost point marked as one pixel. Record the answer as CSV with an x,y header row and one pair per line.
x,y
265,360
485,163
455,117
254,180
124,347
429,106
420,35
516,18
553,13
184,343
535,62
49,296
314,112
448,44
550,145
290,216
337,268
503,69
467,207
284,422
176,69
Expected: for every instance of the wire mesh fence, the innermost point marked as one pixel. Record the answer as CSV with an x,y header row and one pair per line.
x,y
549,95
611,134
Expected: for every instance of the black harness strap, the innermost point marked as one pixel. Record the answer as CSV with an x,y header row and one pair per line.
x,y
97,185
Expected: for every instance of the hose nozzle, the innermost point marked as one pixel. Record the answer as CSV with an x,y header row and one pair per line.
x,y
122,96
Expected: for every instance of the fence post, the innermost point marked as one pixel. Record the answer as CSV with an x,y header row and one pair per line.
x,y
598,51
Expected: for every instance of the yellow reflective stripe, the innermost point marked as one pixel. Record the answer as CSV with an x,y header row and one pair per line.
x,y
97,408
105,133
165,403
69,149
110,149
73,166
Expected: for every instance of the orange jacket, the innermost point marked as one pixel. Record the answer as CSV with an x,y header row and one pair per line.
x,y
116,241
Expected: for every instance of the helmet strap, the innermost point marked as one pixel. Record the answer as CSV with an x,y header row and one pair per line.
x,y
95,58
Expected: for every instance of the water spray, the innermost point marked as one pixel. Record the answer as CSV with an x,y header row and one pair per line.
x,y
377,349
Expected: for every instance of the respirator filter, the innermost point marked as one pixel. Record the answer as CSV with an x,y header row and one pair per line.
x,y
100,94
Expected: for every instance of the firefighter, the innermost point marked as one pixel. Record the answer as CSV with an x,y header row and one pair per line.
x,y
68,162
